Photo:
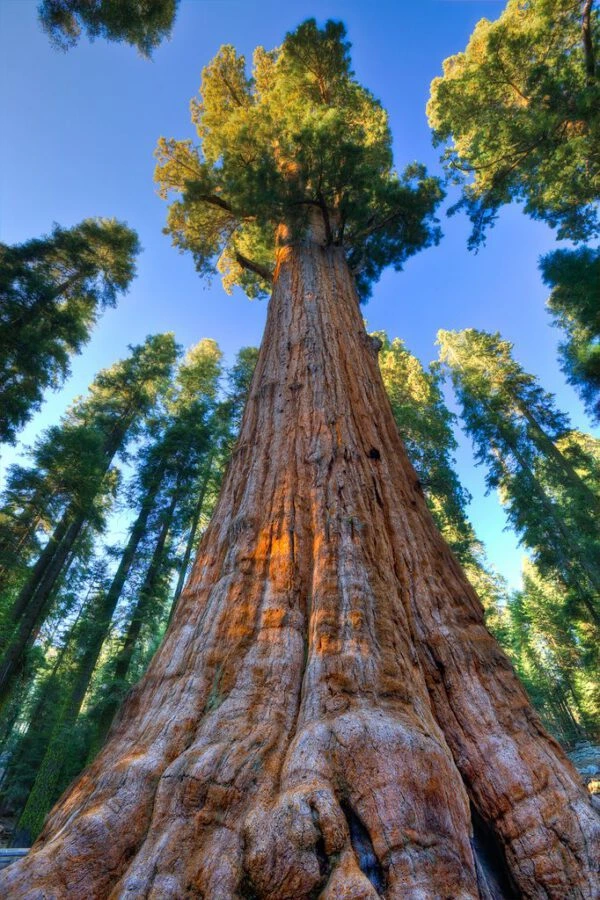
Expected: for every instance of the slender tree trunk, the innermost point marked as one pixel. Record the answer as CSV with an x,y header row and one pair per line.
x,y
41,566
25,532
588,42
32,603
107,605
574,570
13,658
144,602
328,714
191,541
100,615
548,447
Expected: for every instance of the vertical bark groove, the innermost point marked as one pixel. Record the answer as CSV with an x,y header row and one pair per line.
x,y
327,700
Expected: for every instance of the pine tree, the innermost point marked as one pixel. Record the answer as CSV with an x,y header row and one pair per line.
x,y
518,111
574,277
425,425
327,700
52,290
547,474
141,23
102,422
555,657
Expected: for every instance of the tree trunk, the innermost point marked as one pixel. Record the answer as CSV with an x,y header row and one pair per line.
x,y
96,628
38,597
327,699
145,599
192,536
548,447
41,566
24,531
574,572
32,603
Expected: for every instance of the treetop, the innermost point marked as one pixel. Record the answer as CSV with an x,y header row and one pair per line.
x,y
518,113
297,135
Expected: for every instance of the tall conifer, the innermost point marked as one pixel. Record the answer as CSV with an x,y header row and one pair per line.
x,y
52,290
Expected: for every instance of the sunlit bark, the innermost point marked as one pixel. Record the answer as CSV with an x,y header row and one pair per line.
x,y
327,704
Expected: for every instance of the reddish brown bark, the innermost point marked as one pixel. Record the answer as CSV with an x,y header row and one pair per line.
x,y
327,699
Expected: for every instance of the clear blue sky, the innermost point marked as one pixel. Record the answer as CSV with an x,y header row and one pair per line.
x,y
78,134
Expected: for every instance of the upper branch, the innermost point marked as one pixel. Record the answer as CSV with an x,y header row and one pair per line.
x,y
259,270
588,43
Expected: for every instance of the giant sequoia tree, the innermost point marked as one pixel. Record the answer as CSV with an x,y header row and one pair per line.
x,y
328,715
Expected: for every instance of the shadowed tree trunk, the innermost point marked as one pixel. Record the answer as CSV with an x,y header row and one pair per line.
x,y
147,597
192,536
327,715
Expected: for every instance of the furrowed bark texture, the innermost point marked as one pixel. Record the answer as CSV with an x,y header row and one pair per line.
x,y
327,705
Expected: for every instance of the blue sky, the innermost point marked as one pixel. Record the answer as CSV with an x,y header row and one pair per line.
x,y
79,131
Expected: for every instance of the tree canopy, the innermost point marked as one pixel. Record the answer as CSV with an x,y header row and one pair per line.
x,y
519,111
426,427
574,277
141,23
296,136
52,290
546,472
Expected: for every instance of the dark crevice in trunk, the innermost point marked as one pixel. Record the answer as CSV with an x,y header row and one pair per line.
x,y
493,876
247,891
323,859
363,849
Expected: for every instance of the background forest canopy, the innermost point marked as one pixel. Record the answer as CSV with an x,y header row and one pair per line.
x,y
102,512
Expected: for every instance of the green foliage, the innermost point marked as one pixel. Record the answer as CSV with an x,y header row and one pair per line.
x,y
177,466
426,426
519,110
140,23
52,290
547,474
574,277
298,139
100,425
556,657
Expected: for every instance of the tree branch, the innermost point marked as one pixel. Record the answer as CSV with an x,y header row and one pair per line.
x,y
230,88
376,226
256,268
588,44
214,200
326,220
